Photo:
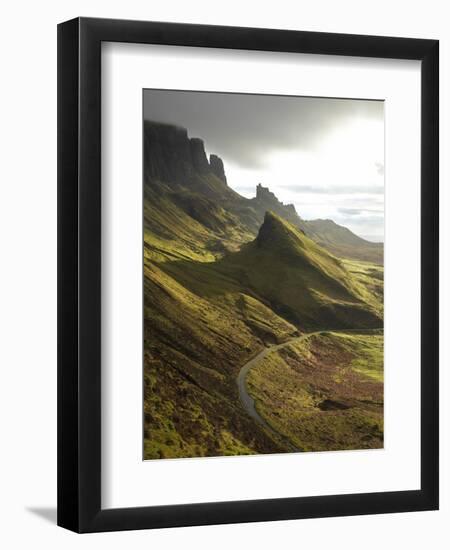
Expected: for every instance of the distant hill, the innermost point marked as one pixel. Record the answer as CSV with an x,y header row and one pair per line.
x,y
337,239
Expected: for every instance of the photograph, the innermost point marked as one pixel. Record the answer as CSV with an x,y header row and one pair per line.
x,y
263,254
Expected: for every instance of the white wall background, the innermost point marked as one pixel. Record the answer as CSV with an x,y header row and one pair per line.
x,y
28,271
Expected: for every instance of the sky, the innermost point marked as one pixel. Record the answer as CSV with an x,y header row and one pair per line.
x,y
325,156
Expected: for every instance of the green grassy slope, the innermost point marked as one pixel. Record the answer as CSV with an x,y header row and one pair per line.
x,y
325,392
193,348
181,224
300,280
206,316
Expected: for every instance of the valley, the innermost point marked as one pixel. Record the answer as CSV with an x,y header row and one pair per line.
x,y
316,396
231,282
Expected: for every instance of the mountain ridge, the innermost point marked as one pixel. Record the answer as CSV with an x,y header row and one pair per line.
x,y
173,158
300,276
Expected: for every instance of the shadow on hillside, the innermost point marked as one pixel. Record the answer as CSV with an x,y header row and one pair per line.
x,y
294,297
209,279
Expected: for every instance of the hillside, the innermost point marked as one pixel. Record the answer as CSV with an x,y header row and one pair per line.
x,y
203,319
342,242
308,285
223,279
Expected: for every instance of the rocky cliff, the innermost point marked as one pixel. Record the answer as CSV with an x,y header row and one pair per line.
x,y
217,167
265,200
171,156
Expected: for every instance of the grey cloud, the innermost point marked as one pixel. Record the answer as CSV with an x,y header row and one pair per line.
x,y
242,128
335,189
360,211
365,221
350,211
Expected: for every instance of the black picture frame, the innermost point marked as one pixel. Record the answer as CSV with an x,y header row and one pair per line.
x,y
79,274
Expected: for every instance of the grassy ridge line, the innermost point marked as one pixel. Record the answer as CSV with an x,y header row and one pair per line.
x,y
300,280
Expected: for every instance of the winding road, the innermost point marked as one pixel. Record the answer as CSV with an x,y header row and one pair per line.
x,y
247,400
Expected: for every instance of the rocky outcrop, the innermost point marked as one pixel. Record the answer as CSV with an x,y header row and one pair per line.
x,y
265,200
167,152
264,194
171,156
217,167
199,160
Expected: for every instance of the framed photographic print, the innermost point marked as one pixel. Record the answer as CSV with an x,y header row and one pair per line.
x,y
248,275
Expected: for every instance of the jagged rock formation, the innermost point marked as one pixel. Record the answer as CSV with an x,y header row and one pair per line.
x,y
171,156
266,200
199,160
264,194
217,168
167,152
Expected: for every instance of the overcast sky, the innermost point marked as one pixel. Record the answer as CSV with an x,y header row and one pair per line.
x,y
326,156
